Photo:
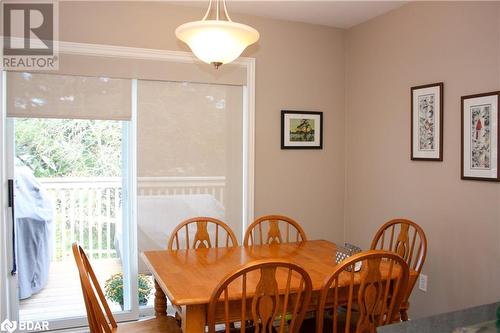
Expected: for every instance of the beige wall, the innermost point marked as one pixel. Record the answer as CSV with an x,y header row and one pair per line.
x,y
299,66
457,43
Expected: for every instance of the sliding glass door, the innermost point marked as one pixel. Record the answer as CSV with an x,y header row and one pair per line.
x,y
190,158
72,162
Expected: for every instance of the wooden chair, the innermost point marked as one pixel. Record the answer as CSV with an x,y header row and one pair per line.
x,y
275,225
271,290
363,306
99,314
201,238
407,239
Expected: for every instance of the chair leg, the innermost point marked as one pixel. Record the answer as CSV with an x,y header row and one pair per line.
x,y
404,311
404,315
178,318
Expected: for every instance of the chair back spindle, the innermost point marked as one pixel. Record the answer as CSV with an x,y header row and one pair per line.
x,y
407,239
366,299
273,229
220,235
267,292
99,314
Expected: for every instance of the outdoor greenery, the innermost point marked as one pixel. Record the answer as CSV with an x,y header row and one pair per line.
x,y
69,148
114,288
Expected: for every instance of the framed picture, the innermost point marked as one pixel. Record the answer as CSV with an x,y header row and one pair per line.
x,y
427,122
480,139
301,130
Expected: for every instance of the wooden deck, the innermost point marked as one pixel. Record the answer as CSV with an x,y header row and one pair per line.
x,y
62,297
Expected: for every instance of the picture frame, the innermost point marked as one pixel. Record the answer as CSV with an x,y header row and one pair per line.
x,y
427,122
480,141
301,129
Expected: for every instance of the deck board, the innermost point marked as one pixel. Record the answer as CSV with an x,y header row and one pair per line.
x,y
62,297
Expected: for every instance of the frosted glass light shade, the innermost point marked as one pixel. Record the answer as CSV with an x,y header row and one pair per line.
x,y
217,42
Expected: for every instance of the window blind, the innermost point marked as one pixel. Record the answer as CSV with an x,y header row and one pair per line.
x,y
39,95
98,87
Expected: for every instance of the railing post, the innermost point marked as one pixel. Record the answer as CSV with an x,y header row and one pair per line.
x,y
90,223
63,223
108,223
72,222
99,225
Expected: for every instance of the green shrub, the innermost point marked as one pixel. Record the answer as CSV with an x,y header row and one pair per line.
x,y
114,288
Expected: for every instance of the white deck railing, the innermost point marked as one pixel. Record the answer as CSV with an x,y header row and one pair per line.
x,y
88,210
182,185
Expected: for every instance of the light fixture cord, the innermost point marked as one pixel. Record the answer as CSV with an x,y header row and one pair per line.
x,y
218,8
225,11
208,10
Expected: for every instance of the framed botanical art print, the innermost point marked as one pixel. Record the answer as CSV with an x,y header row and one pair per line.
x,y
427,122
301,130
480,140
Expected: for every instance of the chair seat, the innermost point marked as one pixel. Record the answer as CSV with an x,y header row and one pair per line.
x,y
163,324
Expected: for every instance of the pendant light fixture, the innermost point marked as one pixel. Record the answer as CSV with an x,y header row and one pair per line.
x,y
216,39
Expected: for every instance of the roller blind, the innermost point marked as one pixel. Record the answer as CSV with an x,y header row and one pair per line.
x,y
189,149
41,95
98,87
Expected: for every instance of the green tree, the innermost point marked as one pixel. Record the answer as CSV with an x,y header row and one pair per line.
x,y
69,148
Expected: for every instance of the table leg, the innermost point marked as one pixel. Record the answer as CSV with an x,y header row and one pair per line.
x,y
193,318
160,301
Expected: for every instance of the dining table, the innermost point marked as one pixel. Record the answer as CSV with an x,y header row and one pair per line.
x,y
189,277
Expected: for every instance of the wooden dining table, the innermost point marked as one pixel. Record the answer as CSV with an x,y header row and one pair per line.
x,y
188,277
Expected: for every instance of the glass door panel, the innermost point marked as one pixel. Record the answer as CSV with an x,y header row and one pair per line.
x,y
190,157
72,181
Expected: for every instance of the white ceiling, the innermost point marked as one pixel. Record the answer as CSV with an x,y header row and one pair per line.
x,y
339,14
